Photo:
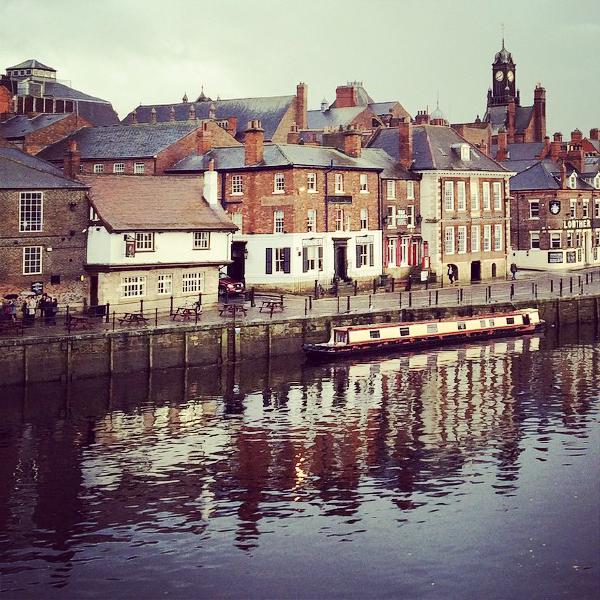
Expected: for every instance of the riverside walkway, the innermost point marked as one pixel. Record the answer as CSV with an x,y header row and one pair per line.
x,y
529,286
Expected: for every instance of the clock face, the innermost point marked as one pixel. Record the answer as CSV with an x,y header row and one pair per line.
x,y
510,76
499,75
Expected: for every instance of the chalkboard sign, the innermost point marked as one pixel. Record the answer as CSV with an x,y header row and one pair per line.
x,y
37,287
555,257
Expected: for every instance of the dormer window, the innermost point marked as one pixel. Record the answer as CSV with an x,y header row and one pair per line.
x,y
573,181
465,153
597,181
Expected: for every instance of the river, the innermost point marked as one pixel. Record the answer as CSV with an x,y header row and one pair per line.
x,y
464,472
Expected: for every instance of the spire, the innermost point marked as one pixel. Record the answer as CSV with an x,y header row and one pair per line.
x,y
185,98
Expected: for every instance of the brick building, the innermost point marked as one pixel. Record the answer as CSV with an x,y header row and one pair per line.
x,y
463,198
304,213
32,88
33,134
43,229
142,149
153,238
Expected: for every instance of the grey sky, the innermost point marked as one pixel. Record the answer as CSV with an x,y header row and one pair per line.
x,y
153,51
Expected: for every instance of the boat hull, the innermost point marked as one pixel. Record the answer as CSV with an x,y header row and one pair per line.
x,y
325,352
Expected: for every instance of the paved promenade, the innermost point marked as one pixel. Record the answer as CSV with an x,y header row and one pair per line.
x,y
528,286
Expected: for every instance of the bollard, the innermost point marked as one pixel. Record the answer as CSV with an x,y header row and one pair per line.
x,y
374,286
586,279
156,317
107,318
200,300
512,291
437,297
305,306
338,304
536,291
370,302
458,296
532,288
113,320
461,295
196,312
316,289
68,319
429,298
141,307
347,303
570,285
252,303
310,303
579,280
409,299
561,286
171,307
489,292
393,284
400,300
355,287
552,286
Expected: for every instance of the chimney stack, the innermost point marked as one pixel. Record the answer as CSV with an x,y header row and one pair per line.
x,y
345,96
576,136
422,118
405,143
352,142
203,139
539,113
546,149
293,137
511,125
301,103
211,184
232,125
502,152
563,175
594,134
71,160
254,139
558,136
153,116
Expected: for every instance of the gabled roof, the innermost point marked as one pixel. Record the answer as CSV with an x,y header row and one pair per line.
x,y
20,125
130,203
333,117
32,64
19,170
497,116
432,149
268,110
276,155
544,175
521,156
122,141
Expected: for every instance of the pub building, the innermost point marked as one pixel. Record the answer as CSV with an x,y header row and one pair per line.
x,y
555,217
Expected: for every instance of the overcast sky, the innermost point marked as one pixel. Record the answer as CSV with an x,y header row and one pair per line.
x,y
151,52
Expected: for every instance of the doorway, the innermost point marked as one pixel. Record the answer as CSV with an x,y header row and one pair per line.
x,y
476,270
340,259
93,290
237,269
494,270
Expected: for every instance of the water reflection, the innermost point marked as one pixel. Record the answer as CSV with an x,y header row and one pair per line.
x,y
221,461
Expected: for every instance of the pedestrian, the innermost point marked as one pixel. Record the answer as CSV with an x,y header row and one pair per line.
x,y
451,273
51,311
42,304
12,310
455,273
513,270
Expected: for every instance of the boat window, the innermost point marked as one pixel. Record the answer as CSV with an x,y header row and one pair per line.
x,y
404,331
432,328
375,333
492,323
510,320
340,337
462,325
482,323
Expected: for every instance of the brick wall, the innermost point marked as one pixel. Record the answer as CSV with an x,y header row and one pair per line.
x,y
66,214
35,142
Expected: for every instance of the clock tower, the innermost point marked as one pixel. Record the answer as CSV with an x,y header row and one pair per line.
x,y
504,82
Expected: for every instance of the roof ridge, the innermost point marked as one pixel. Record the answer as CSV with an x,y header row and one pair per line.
x,y
208,101
287,158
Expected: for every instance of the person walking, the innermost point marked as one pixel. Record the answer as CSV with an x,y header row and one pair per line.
x,y
451,273
513,270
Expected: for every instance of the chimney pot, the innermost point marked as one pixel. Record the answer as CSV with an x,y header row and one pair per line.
x,y
352,142
254,143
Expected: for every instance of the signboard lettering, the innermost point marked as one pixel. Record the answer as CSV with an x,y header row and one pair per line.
x,y
577,224
37,287
555,257
339,199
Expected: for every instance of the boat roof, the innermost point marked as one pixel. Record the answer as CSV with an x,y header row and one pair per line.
x,y
432,321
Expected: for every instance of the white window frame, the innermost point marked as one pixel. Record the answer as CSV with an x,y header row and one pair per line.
x,y
410,190
585,203
461,239
461,196
119,168
363,183
341,220
597,209
201,240
573,208
410,215
391,216
487,238
338,179
534,236
486,195
449,196
392,245
364,218
448,240
534,213
311,183
390,189
279,260
573,181
164,284
465,153
144,241
30,203
278,221
311,220
32,260
133,286
497,194
139,168
192,282
279,183
474,188
475,238
497,237
237,185
555,240
98,168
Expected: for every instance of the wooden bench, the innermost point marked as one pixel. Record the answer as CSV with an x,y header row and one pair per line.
x,y
76,322
233,309
133,318
185,313
271,304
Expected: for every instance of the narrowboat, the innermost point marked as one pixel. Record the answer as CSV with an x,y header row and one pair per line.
x,y
358,339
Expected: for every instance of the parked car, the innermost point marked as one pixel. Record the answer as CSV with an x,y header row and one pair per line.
x,y
228,285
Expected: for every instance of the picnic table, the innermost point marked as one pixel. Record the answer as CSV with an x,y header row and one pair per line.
x,y
185,313
136,318
77,322
232,308
272,304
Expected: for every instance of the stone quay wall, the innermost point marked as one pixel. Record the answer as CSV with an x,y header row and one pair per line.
x,y
78,356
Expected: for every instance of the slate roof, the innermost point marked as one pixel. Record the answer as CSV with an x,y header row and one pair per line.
x,y
543,175
497,117
382,108
127,202
332,117
521,156
19,170
269,110
432,149
20,125
276,155
32,64
122,141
